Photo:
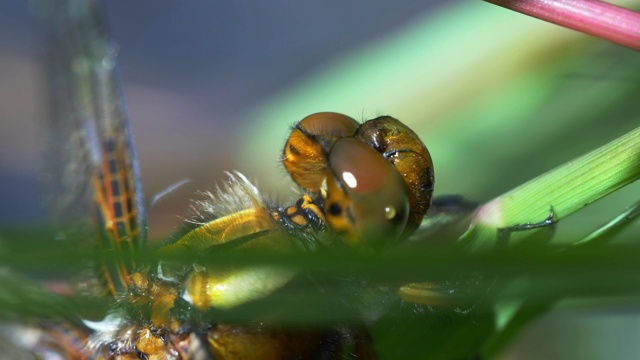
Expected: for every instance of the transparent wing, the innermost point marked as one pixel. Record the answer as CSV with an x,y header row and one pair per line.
x,y
96,190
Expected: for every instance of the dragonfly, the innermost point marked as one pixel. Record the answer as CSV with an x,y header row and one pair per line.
x,y
364,188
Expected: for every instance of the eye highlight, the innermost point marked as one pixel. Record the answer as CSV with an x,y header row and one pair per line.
x,y
349,179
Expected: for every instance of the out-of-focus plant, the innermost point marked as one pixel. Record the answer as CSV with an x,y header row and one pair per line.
x,y
598,18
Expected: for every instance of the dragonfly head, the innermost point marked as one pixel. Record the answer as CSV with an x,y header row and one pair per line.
x,y
376,177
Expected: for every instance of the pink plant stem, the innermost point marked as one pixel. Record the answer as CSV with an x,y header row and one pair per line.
x,y
606,21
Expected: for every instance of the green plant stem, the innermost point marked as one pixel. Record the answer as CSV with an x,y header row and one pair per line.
x,y
567,189
608,231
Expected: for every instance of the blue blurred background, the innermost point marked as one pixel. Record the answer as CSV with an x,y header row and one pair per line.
x,y
212,86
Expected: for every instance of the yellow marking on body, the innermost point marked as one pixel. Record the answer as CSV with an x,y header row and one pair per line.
x,y
164,298
148,343
197,288
308,204
299,220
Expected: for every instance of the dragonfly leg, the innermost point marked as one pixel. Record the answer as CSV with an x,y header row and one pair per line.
x,y
504,234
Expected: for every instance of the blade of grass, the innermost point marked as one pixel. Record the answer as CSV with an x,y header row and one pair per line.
x,y
567,188
529,309
528,312
608,231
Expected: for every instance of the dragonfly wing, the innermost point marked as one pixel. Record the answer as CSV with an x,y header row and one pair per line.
x,y
96,183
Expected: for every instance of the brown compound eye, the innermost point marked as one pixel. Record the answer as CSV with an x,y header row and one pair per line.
x,y
404,149
305,153
367,200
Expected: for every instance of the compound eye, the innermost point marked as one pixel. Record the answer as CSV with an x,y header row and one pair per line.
x,y
367,200
404,149
328,125
305,153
